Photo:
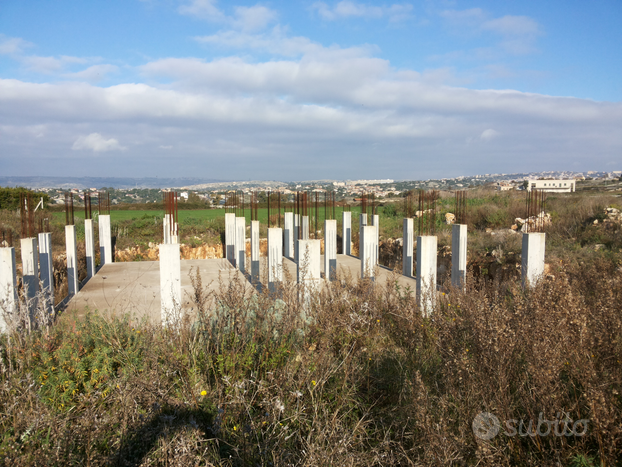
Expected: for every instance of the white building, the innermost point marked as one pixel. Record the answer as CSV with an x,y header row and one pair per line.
x,y
553,186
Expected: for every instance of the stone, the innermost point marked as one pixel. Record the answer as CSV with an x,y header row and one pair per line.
x,y
450,218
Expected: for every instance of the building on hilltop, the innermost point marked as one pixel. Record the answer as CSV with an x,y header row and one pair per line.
x,y
553,186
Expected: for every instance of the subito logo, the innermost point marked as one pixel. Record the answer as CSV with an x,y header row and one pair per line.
x,y
485,426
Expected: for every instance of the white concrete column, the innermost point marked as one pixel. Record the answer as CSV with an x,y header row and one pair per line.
x,y
330,249
105,239
296,230
89,241
255,252
458,255
275,257
170,284
368,250
426,273
309,268
8,287
305,227
240,243
230,237
72,260
346,247
532,261
30,273
408,247
362,219
376,223
46,266
166,229
288,235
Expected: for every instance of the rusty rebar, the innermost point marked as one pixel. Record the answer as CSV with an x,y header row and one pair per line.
x,y
27,213
461,207
88,214
6,239
69,208
427,212
536,207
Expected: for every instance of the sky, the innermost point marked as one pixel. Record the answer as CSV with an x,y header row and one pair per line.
x,y
306,89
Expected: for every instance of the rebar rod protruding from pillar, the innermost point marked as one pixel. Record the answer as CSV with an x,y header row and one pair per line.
x,y
536,207
6,237
461,207
27,212
88,213
68,208
427,212
104,203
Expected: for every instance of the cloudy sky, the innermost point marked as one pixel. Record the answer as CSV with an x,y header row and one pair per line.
x,y
305,89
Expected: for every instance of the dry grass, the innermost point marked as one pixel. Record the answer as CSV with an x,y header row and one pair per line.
x,y
352,376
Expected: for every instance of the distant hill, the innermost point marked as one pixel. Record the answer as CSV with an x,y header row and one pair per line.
x,y
101,182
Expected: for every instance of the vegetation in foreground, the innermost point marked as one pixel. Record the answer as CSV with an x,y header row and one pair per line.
x,y
355,376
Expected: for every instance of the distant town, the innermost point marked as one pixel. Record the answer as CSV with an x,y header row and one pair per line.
x,y
214,193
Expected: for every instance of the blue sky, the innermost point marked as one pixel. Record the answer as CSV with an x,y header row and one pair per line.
x,y
309,89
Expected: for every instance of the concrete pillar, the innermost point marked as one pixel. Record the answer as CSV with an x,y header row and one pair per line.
x,y
89,240
305,227
72,260
376,223
275,257
105,239
362,219
288,235
240,243
230,237
296,232
310,264
166,229
8,287
330,249
458,255
426,273
170,284
368,250
408,247
30,273
532,264
255,252
46,266
346,217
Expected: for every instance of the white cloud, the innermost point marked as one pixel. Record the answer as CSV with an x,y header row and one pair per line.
x,y
348,9
246,19
204,9
518,33
97,143
254,18
52,64
12,45
488,134
93,73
